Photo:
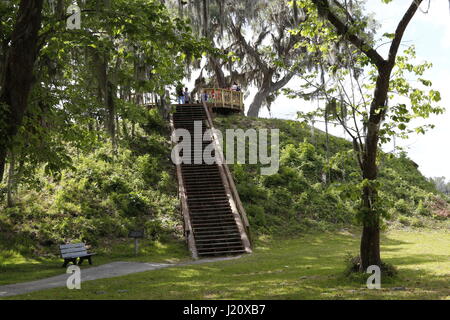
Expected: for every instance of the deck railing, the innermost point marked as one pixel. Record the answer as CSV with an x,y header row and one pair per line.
x,y
223,98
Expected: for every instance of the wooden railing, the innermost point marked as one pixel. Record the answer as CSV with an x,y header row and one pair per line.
x,y
188,232
223,98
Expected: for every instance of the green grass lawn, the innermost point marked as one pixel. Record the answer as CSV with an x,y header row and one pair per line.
x,y
308,267
15,267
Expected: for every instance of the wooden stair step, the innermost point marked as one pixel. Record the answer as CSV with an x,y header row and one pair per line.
x,y
208,208
222,244
207,217
217,238
208,197
195,201
200,225
211,238
212,218
206,187
192,200
202,219
204,192
205,181
211,212
217,232
219,252
224,227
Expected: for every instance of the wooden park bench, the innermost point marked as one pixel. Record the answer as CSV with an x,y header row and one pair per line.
x,y
71,252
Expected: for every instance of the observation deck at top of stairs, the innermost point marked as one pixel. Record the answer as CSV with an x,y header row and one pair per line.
x,y
223,100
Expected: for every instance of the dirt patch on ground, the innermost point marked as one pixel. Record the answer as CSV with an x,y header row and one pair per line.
x,y
440,207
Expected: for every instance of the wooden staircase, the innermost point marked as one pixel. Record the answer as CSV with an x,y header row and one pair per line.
x,y
213,222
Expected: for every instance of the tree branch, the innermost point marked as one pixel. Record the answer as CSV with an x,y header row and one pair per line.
x,y
324,10
248,48
403,24
275,86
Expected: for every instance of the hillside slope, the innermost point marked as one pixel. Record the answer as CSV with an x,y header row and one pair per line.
x,y
312,189
104,195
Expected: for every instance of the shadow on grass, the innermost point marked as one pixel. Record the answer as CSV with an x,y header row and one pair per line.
x,y
309,267
27,271
15,267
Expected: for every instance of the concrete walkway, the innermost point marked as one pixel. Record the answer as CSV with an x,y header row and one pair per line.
x,y
110,270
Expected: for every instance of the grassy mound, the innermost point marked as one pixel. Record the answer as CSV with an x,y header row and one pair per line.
x,y
316,189
104,195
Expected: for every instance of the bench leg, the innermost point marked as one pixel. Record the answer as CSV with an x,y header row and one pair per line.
x,y
65,263
81,261
90,261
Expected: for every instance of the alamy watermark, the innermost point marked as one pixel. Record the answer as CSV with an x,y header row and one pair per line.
x,y
374,281
194,149
73,22
74,280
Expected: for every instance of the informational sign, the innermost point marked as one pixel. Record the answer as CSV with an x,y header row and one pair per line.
x,y
136,234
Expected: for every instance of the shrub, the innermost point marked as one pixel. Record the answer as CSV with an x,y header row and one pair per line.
x,y
418,223
403,207
404,221
422,210
256,215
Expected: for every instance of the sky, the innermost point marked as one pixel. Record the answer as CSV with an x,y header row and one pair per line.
x,y
430,33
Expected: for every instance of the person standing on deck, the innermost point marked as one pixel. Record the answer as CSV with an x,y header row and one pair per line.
x,y
180,95
186,95
204,97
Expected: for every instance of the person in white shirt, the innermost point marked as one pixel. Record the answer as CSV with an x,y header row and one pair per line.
x,y
186,95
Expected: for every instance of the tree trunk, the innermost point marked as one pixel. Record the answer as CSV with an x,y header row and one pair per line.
x,y
370,239
220,76
18,73
125,128
11,176
266,89
102,81
60,10
255,106
370,245
205,21
118,133
313,133
111,109
2,162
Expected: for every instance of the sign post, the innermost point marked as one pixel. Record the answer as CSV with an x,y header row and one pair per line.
x,y
136,234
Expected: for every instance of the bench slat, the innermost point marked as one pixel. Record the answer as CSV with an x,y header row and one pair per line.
x,y
77,254
72,245
73,250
